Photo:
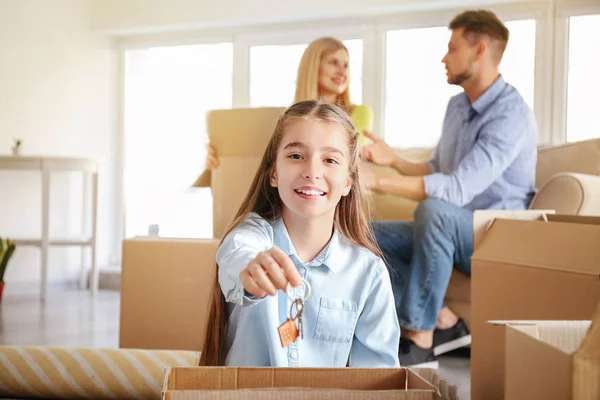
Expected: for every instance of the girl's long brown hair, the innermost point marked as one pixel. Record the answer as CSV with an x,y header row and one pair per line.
x,y
263,199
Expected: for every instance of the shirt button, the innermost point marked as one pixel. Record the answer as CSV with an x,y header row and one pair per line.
x,y
302,271
294,355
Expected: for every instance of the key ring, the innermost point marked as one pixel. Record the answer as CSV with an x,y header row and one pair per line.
x,y
288,288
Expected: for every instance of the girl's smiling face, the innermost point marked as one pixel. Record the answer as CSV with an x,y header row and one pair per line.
x,y
312,168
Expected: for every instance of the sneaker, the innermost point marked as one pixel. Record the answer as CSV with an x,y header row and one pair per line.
x,y
411,355
445,340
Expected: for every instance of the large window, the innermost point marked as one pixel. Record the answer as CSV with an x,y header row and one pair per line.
x,y
583,121
167,93
416,89
274,69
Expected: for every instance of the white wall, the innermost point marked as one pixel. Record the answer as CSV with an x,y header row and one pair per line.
x,y
130,16
58,92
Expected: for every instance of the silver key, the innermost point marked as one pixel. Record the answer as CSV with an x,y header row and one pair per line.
x,y
300,310
296,312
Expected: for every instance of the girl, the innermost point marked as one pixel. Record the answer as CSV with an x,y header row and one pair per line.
x,y
303,220
323,74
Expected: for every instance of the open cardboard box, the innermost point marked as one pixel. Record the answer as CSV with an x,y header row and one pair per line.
x,y
188,383
552,359
529,270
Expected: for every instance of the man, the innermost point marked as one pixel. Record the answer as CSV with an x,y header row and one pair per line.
x,y
485,159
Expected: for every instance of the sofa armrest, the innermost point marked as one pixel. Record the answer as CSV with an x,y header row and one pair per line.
x,y
569,193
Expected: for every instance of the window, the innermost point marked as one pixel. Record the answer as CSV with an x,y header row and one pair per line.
x,y
583,78
273,72
167,93
417,92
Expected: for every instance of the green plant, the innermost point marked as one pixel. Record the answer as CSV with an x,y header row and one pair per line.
x,y
7,248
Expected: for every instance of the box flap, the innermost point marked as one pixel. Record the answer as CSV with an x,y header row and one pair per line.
x,y
232,378
565,336
300,394
575,219
534,369
586,363
559,246
482,219
204,180
590,346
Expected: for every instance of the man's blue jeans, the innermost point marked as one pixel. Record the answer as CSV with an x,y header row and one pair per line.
x,y
421,255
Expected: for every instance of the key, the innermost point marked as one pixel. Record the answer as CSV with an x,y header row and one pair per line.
x,y
288,332
299,311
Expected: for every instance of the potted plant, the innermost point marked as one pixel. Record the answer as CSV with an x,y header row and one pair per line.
x,y
16,149
7,248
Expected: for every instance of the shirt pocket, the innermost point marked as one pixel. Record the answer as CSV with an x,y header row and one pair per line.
x,y
335,320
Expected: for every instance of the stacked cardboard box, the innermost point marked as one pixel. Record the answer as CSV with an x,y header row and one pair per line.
x,y
166,283
545,269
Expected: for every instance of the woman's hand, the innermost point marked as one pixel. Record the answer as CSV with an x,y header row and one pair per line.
x,y
212,159
270,271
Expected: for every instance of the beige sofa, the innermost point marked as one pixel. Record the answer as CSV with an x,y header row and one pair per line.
x,y
568,181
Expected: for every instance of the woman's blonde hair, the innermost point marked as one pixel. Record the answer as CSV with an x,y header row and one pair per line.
x,y
263,199
307,83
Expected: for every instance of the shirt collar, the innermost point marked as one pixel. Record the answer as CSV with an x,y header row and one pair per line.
x,y
489,96
332,256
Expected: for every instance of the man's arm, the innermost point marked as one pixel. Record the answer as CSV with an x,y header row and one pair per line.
x,y
499,143
380,153
409,187
411,168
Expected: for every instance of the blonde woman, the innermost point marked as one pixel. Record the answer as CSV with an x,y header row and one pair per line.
x,y
324,74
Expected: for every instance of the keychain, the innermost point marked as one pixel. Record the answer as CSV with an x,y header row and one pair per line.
x,y
288,331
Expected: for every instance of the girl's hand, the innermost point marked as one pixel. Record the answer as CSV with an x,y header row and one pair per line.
x,y
269,271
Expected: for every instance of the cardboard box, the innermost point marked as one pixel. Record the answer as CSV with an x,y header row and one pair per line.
x,y
552,359
240,136
295,383
458,294
165,289
529,270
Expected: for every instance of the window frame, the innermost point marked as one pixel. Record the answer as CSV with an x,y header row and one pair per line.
x,y
564,11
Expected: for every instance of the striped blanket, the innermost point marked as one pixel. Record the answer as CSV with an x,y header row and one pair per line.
x,y
65,373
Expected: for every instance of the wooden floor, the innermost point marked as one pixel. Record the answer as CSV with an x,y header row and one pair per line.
x,y
69,318
72,318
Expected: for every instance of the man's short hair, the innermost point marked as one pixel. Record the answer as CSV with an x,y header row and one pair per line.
x,y
478,24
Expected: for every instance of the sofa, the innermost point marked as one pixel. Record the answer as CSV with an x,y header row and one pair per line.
x,y
567,179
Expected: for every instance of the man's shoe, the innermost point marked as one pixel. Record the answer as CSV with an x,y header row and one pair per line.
x,y
445,340
411,355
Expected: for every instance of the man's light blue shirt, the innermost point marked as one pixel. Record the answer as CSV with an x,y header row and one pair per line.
x,y
349,317
487,154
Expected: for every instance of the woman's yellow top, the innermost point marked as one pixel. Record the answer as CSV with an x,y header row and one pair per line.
x,y
362,117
